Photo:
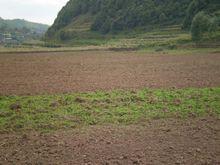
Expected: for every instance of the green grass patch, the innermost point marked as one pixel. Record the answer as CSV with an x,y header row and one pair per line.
x,y
53,112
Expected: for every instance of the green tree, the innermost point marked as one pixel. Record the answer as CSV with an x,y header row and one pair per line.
x,y
213,24
106,27
200,25
162,17
194,7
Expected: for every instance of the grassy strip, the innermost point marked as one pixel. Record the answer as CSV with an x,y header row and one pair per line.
x,y
170,40
53,112
181,51
6,50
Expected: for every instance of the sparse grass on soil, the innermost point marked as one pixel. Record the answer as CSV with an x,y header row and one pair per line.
x,y
53,112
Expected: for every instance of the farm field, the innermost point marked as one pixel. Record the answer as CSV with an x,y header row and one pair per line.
x,y
83,71
110,107
110,82
164,141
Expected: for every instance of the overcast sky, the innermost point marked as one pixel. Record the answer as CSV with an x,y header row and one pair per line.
x,y
42,11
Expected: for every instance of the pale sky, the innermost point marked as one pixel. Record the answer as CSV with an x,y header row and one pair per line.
x,y
41,11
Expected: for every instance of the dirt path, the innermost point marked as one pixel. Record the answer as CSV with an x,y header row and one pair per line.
x,y
167,141
38,73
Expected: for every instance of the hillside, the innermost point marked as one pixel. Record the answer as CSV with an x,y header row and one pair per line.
x,y
116,15
93,18
19,24
17,31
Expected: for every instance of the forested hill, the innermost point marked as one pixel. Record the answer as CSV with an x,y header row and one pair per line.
x,y
7,26
107,16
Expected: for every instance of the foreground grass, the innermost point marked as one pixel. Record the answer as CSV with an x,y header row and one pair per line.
x,y
53,112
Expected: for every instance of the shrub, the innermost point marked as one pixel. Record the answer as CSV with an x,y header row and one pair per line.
x,y
162,17
200,24
51,45
64,35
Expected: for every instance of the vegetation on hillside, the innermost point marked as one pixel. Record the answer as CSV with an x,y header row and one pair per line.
x,y
202,18
210,7
125,14
118,15
202,24
22,25
104,16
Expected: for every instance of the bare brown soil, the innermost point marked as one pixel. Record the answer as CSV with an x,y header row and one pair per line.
x,y
39,73
167,141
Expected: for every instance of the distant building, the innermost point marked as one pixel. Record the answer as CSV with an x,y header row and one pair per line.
x,y
7,38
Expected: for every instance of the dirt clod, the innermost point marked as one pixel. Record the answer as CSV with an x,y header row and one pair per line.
x,y
198,150
79,100
54,104
15,106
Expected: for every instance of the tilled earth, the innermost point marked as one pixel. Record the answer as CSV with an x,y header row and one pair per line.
x,y
164,141
40,73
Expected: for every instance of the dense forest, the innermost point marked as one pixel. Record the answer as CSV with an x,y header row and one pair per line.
x,y
118,15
